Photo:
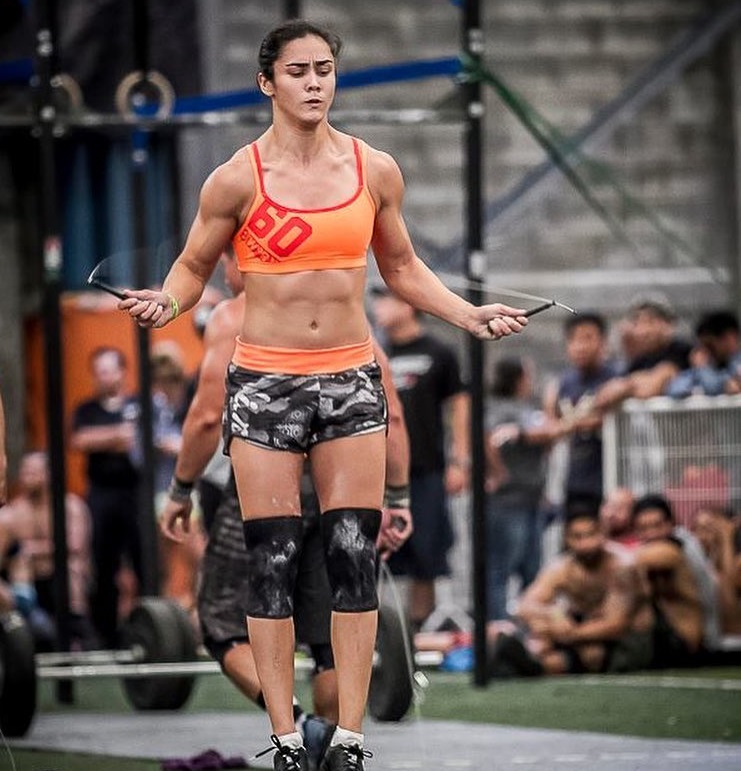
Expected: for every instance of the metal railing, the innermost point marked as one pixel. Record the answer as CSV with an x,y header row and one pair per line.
x,y
686,449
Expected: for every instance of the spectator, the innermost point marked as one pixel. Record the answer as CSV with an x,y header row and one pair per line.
x,y
170,392
720,537
587,611
589,370
170,386
680,618
427,376
29,517
616,517
656,355
716,363
517,440
105,428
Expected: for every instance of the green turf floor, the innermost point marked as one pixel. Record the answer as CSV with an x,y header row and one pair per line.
x,y
638,706
698,704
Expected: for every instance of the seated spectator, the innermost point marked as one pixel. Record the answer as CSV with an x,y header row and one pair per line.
x,y
720,537
517,438
655,356
29,519
680,618
585,612
716,362
616,517
588,371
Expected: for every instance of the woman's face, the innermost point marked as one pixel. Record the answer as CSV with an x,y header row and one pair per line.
x,y
304,80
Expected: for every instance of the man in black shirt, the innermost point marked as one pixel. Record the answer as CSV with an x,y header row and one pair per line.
x,y
105,428
427,377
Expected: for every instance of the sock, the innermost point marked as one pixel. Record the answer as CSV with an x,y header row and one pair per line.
x,y
299,716
293,740
343,736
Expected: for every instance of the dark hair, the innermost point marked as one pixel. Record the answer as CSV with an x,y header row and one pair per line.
x,y
581,506
716,324
595,319
655,305
277,38
653,502
106,349
507,374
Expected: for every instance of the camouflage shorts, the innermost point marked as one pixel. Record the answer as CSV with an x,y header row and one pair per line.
x,y
296,412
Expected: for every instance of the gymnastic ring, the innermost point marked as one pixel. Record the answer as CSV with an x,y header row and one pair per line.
x,y
68,89
149,84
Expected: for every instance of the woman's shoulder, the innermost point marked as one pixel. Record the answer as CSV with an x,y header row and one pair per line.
x,y
237,166
229,183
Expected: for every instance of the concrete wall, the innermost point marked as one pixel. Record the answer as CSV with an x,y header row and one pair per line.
x,y
567,58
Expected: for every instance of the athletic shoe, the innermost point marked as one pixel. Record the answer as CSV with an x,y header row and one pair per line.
x,y
344,757
317,733
287,758
509,650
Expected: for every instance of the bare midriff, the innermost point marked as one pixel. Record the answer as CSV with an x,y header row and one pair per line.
x,y
314,309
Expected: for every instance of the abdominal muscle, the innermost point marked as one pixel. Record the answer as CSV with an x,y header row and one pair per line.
x,y
310,309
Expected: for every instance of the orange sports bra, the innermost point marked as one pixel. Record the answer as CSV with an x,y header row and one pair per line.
x,y
280,239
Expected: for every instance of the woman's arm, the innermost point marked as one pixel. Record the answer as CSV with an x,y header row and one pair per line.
x,y
223,200
413,281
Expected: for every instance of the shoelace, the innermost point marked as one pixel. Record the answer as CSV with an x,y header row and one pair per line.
x,y
289,753
355,754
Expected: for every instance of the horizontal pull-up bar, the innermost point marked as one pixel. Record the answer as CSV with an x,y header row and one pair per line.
x,y
233,107
120,123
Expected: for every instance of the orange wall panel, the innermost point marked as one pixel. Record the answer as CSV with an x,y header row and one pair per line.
x,y
89,321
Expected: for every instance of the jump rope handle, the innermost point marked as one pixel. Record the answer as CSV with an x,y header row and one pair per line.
x,y
539,308
107,288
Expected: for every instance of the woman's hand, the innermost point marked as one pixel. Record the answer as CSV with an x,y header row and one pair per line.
x,y
492,322
148,307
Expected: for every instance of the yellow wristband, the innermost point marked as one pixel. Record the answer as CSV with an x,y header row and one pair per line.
x,y
174,307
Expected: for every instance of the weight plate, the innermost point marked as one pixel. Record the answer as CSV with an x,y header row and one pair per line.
x,y
391,692
17,675
162,630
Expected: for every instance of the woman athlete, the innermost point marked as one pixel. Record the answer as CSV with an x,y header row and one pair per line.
x,y
302,205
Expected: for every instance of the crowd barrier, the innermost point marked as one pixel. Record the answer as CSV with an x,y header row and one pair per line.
x,y
686,449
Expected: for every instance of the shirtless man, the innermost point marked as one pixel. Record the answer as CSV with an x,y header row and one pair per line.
x,y
615,514
675,593
585,612
28,517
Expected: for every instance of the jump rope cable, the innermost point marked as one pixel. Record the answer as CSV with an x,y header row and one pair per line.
x,y
7,749
418,680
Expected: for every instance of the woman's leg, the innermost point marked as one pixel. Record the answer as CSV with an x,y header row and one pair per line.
x,y
268,488
349,476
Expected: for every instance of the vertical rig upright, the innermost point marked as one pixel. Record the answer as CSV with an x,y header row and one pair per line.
x,y
52,258
473,46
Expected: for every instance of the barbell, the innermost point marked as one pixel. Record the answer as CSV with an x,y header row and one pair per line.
x,y
160,659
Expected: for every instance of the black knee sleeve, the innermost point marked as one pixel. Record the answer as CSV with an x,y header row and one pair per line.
x,y
273,548
349,537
